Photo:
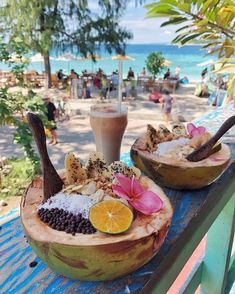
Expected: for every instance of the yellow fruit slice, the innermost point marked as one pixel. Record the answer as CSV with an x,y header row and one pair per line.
x,y
74,169
111,217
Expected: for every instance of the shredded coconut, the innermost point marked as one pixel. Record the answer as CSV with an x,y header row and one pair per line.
x,y
165,147
73,203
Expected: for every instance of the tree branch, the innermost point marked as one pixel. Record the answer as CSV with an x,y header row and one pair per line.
x,y
226,32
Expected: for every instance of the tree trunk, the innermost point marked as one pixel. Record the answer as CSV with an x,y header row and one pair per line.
x,y
47,71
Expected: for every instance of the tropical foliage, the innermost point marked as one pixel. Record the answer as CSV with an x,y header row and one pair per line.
x,y
14,105
155,63
212,22
59,24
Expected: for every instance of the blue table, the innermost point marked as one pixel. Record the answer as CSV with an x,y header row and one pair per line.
x,y
192,210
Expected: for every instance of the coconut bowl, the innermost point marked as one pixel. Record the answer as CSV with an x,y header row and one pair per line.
x,y
98,256
178,174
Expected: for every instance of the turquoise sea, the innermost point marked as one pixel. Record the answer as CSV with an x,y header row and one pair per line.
x,y
186,58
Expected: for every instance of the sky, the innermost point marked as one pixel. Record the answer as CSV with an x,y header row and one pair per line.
x,y
144,30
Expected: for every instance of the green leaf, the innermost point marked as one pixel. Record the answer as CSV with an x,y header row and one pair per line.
x,y
175,20
189,38
161,10
183,28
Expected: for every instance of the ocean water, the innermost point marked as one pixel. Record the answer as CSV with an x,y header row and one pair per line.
x,y
186,58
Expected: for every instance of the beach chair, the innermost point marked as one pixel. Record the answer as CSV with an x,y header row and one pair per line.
x,y
212,98
220,97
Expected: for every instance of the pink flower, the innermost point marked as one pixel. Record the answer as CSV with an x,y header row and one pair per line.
x,y
146,202
195,131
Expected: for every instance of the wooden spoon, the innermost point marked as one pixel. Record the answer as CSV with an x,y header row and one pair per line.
x,y
52,182
205,150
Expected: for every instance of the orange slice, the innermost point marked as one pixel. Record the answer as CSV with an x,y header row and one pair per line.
x,y
111,217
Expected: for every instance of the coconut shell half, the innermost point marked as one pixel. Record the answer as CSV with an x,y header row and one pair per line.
x,y
178,174
97,256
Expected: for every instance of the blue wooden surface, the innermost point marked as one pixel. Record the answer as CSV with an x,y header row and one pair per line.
x,y
15,255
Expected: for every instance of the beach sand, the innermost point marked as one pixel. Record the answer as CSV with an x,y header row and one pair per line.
x,y
75,134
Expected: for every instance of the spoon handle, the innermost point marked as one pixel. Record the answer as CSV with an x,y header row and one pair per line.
x,y
230,122
52,182
204,151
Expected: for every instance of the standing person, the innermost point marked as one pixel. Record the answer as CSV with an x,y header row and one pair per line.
x,y
204,73
167,101
80,87
167,74
143,72
74,84
177,72
51,114
131,74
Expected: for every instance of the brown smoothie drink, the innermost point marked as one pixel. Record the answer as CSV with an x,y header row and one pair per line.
x,y
108,123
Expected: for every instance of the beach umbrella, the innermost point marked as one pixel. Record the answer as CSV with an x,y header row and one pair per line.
x,y
92,57
15,58
206,63
120,59
167,62
39,58
68,57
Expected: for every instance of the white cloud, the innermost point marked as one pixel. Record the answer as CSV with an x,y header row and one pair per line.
x,y
142,24
167,32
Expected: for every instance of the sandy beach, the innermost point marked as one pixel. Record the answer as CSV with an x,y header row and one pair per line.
x,y
75,134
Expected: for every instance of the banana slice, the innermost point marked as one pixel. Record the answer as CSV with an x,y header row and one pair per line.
x,y
119,167
96,166
164,134
179,130
136,171
151,138
74,169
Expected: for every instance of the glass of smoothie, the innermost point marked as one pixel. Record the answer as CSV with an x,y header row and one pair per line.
x,y
108,122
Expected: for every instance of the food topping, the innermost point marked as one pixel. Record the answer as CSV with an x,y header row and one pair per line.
x,y
164,134
85,187
165,147
62,220
119,167
151,138
96,165
111,216
74,169
178,130
179,152
178,143
194,131
199,140
73,203
146,202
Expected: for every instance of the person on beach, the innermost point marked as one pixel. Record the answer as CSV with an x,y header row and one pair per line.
x,y
51,113
167,101
114,80
143,72
167,74
74,84
177,72
131,74
204,73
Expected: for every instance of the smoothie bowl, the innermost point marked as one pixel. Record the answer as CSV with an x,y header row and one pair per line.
x,y
161,154
107,221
